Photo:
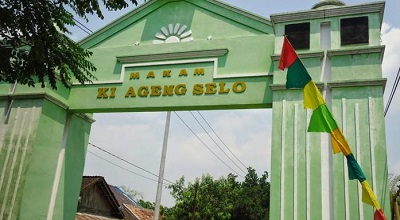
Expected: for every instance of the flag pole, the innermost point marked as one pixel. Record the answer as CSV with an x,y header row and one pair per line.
x,y
162,166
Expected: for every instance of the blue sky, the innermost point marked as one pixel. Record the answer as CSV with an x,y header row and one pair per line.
x,y
138,137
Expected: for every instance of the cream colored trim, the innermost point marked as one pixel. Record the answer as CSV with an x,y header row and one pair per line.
x,y
13,162
14,128
345,168
339,52
302,55
280,87
40,95
241,12
372,142
308,165
137,12
375,7
172,56
295,162
21,163
85,117
283,143
58,170
158,63
358,149
357,51
241,75
352,83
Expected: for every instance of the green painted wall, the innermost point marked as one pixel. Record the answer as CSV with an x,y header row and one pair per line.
x,y
238,52
43,162
75,155
29,155
228,44
356,87
248,44
16,153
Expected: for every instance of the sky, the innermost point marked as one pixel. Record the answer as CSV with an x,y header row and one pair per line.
x,y
138,137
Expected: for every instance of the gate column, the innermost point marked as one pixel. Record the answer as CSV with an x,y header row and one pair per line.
x,y
42,154
340,47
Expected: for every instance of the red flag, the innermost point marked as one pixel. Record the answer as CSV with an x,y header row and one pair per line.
x,y
288,55
379,215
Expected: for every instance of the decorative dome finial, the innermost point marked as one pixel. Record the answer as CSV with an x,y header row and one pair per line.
x,y
328,4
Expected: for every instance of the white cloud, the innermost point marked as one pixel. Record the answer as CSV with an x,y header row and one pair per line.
x,y
138,137
390,66
390,38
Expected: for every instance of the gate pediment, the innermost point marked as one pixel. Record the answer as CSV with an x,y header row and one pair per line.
x,y
179,55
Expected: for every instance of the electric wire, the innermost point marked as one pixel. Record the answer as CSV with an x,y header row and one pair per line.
x,y
217,143
206,145
221,140
102,158
79,24
82,27
394,88
126,161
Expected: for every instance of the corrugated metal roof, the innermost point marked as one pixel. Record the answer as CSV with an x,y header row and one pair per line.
x,y
121,196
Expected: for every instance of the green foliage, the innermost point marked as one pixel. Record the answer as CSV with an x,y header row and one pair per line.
x,y
151,206
224,198
253,197
146,204
394,187
33,46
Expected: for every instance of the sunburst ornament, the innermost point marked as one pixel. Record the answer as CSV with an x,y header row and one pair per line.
x,y
173,34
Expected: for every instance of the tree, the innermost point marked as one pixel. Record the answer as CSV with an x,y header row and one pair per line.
x,y
252,202
394,187
151,206
33,46
223,198
146,204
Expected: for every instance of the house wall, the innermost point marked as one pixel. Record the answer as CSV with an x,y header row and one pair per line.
x,y
93,201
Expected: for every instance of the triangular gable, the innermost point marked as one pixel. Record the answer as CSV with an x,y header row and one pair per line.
x,y
143,23
96,197
179,46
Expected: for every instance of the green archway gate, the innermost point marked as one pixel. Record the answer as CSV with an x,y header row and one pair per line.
x,y
206,55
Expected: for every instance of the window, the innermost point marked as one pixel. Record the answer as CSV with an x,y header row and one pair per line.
x,y
298,35
354,31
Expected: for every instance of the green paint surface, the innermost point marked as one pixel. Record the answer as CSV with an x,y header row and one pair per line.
x,y
126,46
75,155
43,162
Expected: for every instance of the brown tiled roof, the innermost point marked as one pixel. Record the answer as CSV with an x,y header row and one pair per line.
x,y
139,213
118,198
85,216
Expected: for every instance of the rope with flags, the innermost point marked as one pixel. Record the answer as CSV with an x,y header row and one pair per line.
x,y
322,120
